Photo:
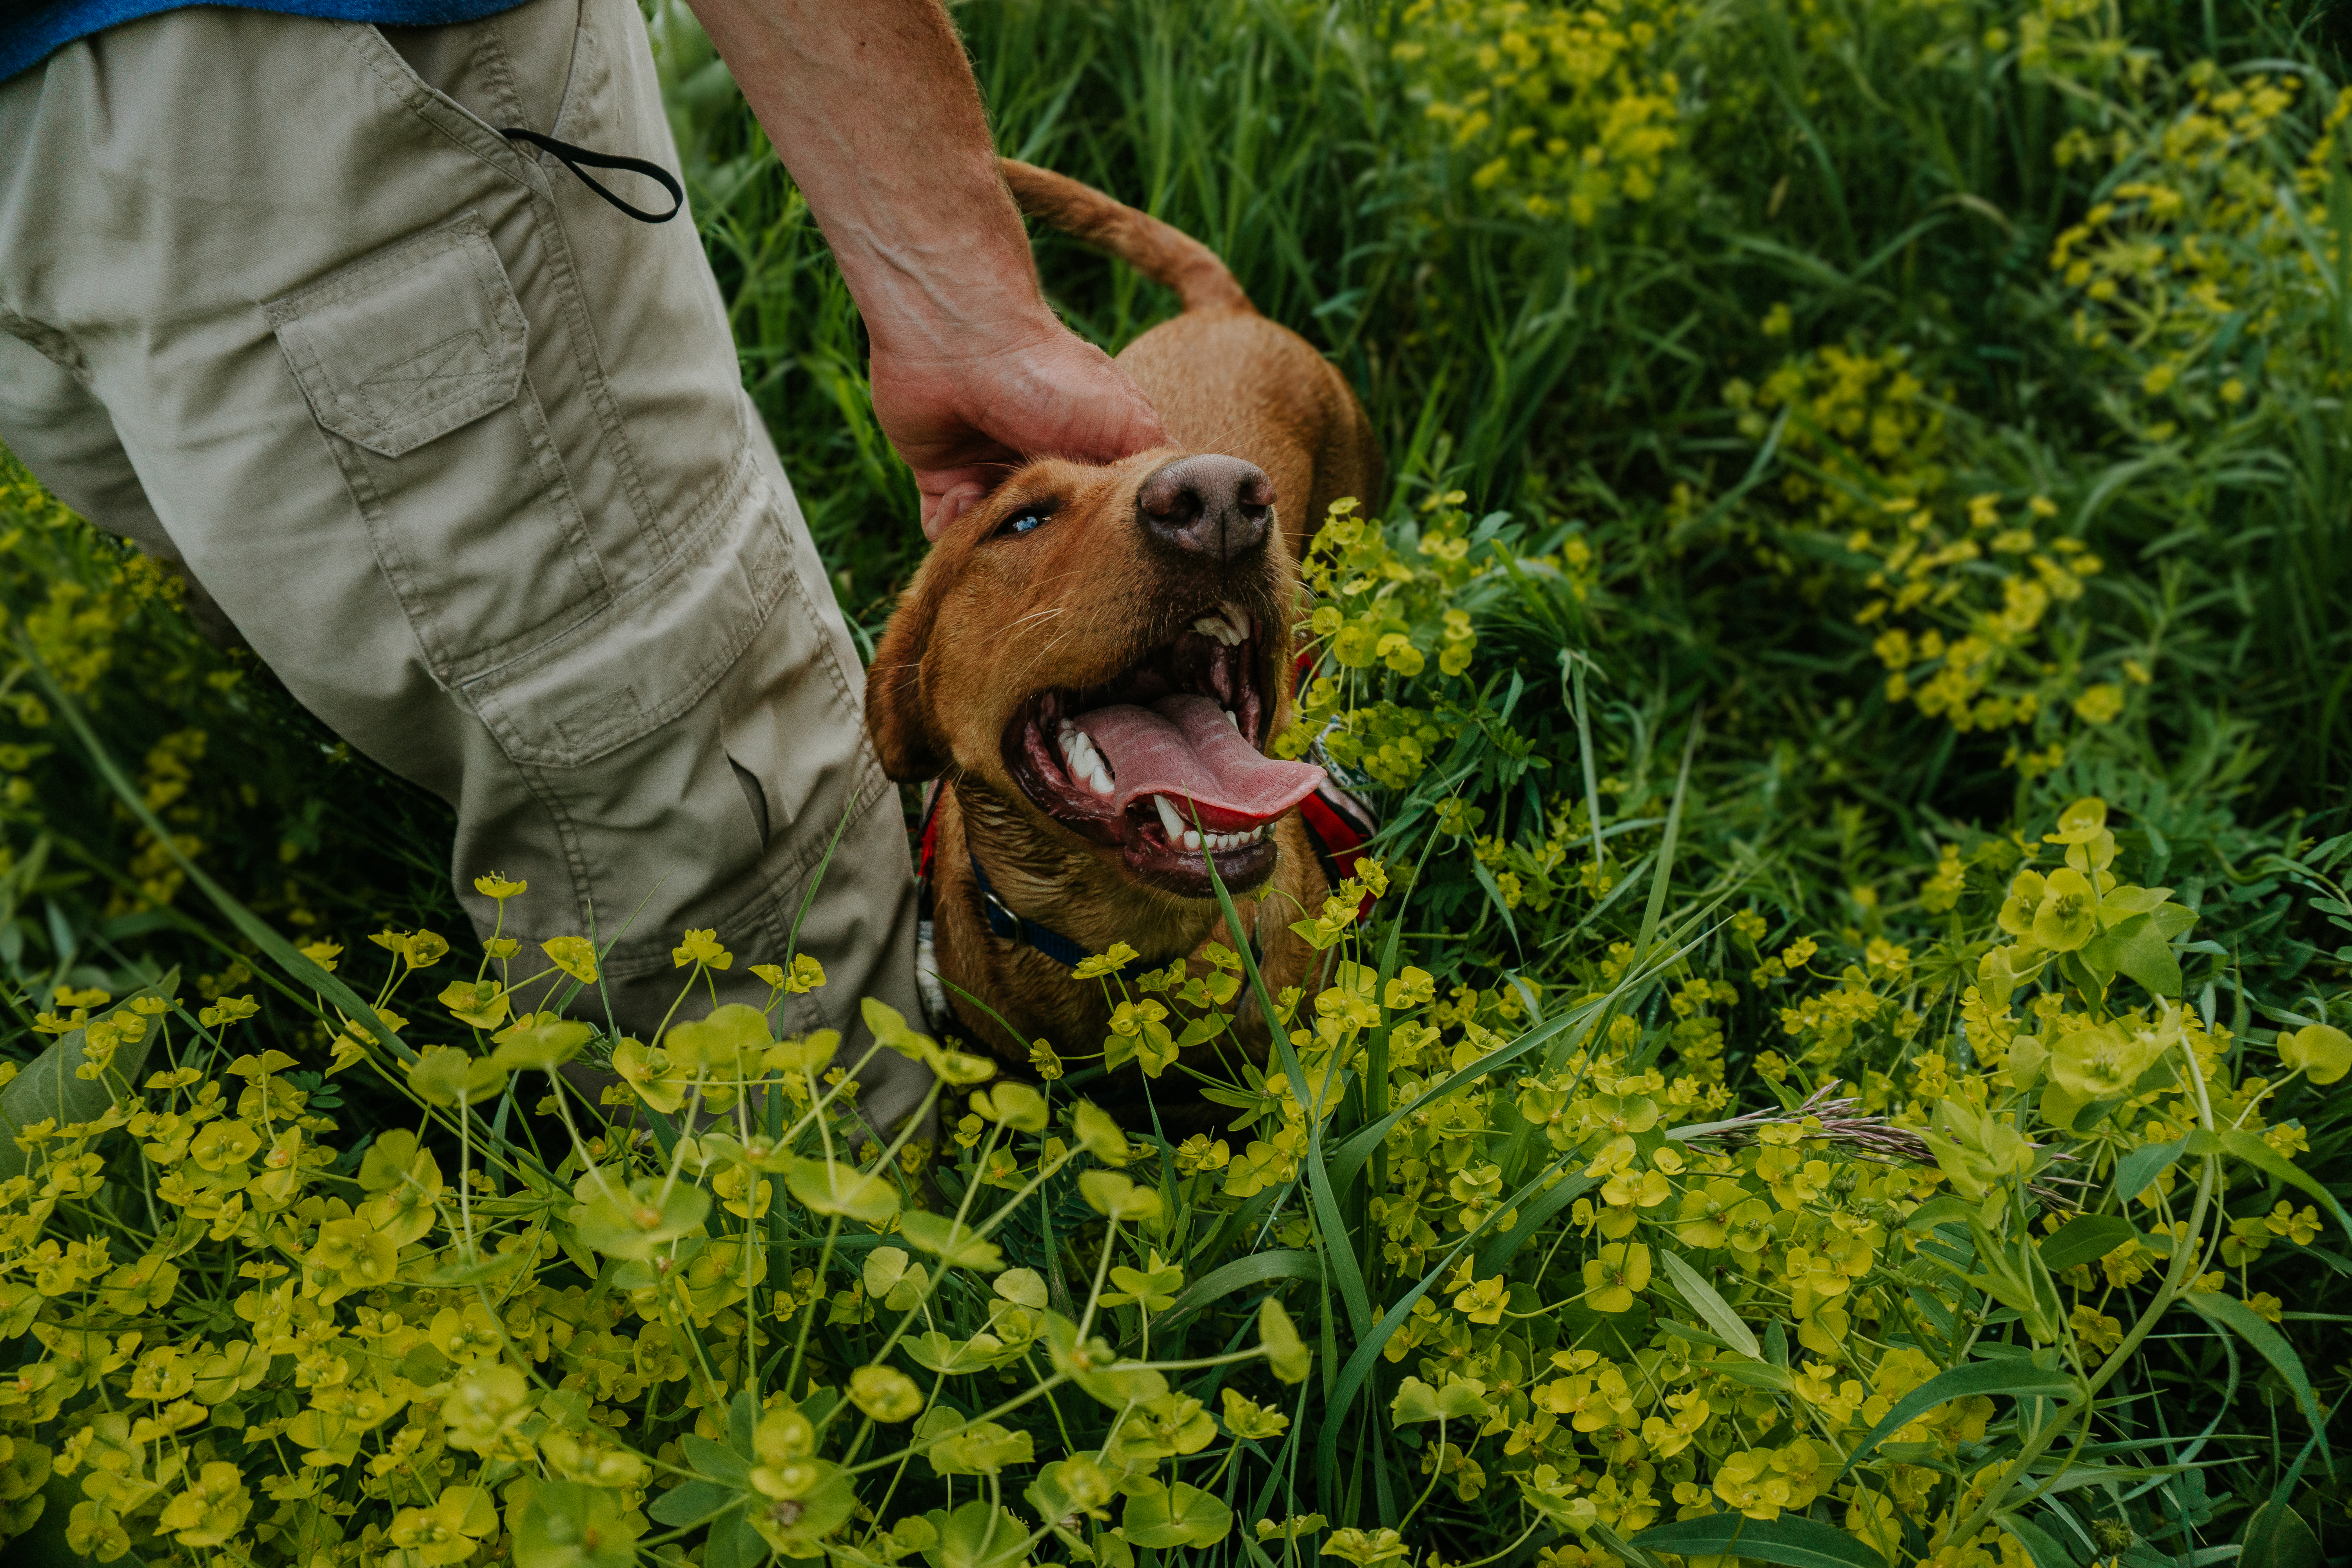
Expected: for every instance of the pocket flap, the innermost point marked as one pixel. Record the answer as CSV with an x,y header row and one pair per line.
x,y
408,345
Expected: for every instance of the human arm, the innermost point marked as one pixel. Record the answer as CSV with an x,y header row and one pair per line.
x,y
873,108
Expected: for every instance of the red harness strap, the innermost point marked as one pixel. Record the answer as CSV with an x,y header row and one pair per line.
x,y
931,839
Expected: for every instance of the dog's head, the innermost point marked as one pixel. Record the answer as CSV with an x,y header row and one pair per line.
x,y
1109,647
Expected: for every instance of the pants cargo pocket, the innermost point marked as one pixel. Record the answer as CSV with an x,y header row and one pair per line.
x,y
412,362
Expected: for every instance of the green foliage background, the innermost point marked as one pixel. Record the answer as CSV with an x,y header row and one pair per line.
x,y
1699,329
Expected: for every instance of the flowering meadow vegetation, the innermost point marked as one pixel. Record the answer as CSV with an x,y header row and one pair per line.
x,y
1836,1058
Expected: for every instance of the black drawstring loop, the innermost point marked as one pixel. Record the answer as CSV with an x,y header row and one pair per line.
x,y
574,157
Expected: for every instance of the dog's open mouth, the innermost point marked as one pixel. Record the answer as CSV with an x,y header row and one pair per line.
x,y
1165,761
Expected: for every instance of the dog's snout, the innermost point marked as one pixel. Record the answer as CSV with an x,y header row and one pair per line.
x,y
1209,506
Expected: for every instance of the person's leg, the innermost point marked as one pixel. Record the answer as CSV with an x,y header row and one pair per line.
x,y
464,454
61,433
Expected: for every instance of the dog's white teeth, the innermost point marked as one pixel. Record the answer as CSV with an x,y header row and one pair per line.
x,y
1234,719
1168,819
1085,763
1192,839
1239,620
1217,630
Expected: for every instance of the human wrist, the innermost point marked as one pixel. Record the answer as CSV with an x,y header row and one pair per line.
x,y
915,322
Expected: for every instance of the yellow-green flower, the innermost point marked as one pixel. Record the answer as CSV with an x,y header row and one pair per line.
x,y
448,1531
2066,918
358,1255
575,955
885,1393
481,1003
213,1508
1616,1276
2321,1052
701,947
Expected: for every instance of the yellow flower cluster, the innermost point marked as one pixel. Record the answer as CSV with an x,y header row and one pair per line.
x,y
1386,611
2202,273
313,1356
105,624
1962,589
1565,112
718,1305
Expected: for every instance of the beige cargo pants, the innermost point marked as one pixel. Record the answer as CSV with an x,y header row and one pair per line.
x,y
464,454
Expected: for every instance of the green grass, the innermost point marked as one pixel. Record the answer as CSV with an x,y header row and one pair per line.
x,y
1852,178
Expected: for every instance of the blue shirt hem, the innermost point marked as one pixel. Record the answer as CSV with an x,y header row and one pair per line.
x,y
40,29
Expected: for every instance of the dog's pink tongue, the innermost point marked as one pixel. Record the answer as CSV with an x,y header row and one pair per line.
x,y
1184,747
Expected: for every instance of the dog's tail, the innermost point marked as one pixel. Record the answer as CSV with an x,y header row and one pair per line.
x,y
1160,253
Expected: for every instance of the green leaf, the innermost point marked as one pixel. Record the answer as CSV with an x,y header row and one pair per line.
x,y
1108,1192
2137,1168
1625,1549
693,1502
638,1222
1239,1273
2249,1147
2038,1543
1757,1375
2085,1238
977,1535
1495,897
51,1086
743,1425
1359,1365
941,1354
1704,1300
2276,1537
495,1266
1789,1539
2143,952
2227,1309
717,1461
958,1246
734,1543
981,1450
2016,1379
1943,1210
1322,1188
305,970
1179,1515
567,1524
1286,1353
828,1187
1096,1368
546,1043
1415,1401
447,1076
1532,1217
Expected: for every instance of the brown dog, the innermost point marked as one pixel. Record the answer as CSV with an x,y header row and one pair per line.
x,y
1095,660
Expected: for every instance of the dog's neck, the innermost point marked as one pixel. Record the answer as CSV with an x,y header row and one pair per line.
x,y
1063,886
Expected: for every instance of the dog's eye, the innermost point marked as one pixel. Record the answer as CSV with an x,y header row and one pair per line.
x,y
1026,520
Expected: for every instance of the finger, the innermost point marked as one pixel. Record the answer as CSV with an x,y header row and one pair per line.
x,y
1104,415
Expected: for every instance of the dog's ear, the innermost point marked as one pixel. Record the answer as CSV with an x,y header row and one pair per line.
x,y
897,715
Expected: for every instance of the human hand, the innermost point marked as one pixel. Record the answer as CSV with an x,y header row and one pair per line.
x,y
964,421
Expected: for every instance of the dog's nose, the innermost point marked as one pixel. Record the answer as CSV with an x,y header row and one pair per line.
x,y
1210,505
